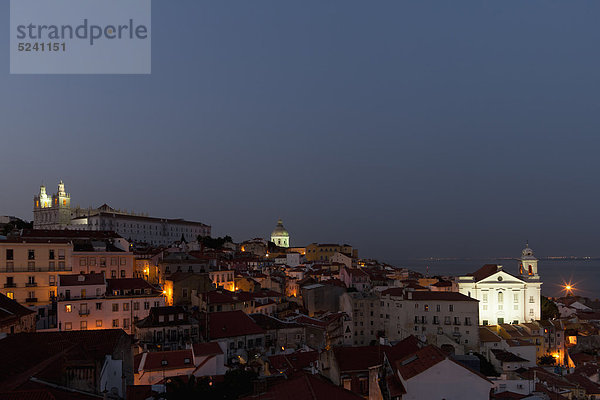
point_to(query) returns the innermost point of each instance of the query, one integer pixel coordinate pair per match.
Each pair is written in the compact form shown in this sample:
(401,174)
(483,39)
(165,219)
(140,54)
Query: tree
(214,243)
(17,224)
(549,309)
(486,367)
(547,359)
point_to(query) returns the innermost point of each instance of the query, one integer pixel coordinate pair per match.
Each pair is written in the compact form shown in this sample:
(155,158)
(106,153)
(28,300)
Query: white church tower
(505,298)
(52,212)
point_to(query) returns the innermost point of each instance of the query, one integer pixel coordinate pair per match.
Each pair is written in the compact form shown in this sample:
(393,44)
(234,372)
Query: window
(451,307)
(123,261)
(485,307)
(531,300)
(31,254)
(467,321)
(531,311)
(136,306)
(50,254)
(515,297)
(52,280)
(103,261)
(82,262)
(125,323)
(438,308)
(68,326)
(122,273)
(115,307)
(436,320)
(98,323)
(10,254)
(500,297)
(146,305)
(68,308)
(484,298)
(426,307)
(83,325)
(98,306)
(113,261)
(115,323)
(51,266)
(125,306)
(92,262)
(485,322)
(113,274)
(61,254)
(10,295)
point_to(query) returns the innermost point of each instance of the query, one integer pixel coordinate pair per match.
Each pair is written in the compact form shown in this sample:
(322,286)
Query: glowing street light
(568,288)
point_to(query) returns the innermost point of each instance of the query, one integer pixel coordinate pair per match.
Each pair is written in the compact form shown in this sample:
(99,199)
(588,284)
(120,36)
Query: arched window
(500,297)
(530,270)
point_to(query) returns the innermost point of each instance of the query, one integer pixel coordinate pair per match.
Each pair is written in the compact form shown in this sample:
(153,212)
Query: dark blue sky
(404,128)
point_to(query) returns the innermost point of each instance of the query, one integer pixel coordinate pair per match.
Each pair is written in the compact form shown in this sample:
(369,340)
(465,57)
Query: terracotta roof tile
(231,324)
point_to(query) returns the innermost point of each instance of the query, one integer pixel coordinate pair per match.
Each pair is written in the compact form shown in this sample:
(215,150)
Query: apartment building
(29,270)
(363,325)
(89,301)
(443,318)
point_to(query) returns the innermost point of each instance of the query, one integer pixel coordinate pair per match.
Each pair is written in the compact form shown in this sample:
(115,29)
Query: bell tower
(528,264)
(62,201)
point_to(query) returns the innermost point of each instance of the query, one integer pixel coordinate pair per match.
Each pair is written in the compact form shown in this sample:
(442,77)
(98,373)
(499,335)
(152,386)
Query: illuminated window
(83,325)
(68,308)
(64,202)
(10,295)
(98,323)
(68,326)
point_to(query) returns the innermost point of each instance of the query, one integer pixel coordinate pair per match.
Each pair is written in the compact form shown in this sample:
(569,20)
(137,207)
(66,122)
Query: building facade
(89,301)
(503,297)
(55,212)
(280,236)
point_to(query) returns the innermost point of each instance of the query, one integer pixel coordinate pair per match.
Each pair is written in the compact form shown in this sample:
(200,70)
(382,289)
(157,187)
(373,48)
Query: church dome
(279,230)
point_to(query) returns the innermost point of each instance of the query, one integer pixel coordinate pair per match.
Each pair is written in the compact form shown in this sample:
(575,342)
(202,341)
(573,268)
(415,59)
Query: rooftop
(231,324)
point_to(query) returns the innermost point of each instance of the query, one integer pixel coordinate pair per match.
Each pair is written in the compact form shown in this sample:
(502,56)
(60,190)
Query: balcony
(10,285)
(31,300)
(31,284)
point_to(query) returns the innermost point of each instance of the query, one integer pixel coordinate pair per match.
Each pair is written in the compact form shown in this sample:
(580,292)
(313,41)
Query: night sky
(407,129)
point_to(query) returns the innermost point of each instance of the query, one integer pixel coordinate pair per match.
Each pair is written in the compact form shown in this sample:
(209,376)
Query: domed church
(280,236)
(504,297)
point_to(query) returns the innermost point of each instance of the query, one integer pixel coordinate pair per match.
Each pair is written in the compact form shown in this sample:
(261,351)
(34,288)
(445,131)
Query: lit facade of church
(55,212)
(280,236)
(503,297)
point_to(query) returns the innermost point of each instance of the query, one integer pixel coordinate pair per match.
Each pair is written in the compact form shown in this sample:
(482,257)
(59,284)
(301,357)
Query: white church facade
(55,212)
(504,297)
